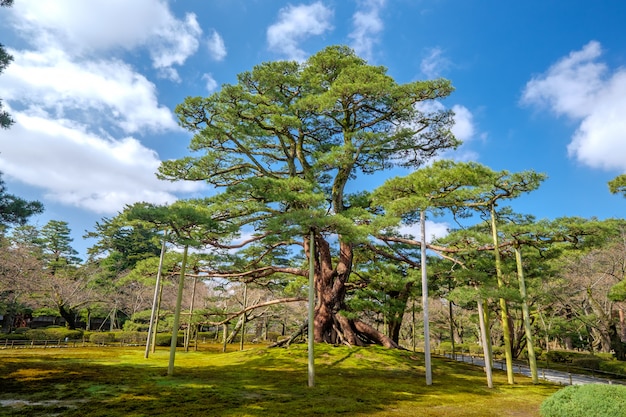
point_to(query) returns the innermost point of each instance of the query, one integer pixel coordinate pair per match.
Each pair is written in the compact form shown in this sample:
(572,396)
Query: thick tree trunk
(330,288)
(619,347)
(69,316)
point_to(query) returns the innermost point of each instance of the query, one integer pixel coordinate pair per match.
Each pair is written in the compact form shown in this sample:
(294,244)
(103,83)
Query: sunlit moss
(115,382)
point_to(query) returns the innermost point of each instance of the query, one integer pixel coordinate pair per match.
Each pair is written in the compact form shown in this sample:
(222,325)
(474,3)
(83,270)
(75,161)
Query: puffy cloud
(216,46)
(580,87)
(52,81)
(367,25)
(297,23)
(434,230)
(80,168)
(463,128)
(96,26)
(77,104)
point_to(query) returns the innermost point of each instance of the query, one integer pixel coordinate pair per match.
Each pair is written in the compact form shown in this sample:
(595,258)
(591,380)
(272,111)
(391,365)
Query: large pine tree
(287,146)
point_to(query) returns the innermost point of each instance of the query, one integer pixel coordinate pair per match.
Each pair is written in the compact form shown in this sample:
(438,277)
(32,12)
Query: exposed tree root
(344,331)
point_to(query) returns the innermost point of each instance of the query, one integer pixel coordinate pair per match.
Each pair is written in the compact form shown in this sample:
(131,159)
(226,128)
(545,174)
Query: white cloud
(96,26)
(211,84)
(582,88)
(50,80)
(174,43)
(295,24)
(83,169)
(216,46)
(367,25)
(434,230)
(434,63)
(463,128)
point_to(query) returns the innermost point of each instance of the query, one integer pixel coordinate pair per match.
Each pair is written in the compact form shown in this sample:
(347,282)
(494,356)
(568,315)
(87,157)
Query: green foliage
(131,337)
(5,60)
(444,184)
(618,291)
(14,211)
(557,356)
(60,333)
(165,339)
(102,338)
(56,243)
(123,243)
(592,400)
(50,333)
(617,368)
(618,185)
(46,311)
(591,362)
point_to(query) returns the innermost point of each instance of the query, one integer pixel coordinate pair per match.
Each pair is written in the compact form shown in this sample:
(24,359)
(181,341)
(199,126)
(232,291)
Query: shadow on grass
(256,383)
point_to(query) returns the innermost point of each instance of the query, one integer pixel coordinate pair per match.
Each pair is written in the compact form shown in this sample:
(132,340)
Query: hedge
(592,400)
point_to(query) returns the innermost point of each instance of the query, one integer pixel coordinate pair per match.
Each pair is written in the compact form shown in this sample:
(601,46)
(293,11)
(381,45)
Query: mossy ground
(112,382)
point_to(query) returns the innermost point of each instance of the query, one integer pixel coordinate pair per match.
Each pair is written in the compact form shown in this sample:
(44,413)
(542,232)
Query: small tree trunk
(530,346)
(429,375)
(504,311)
(243,316)
(484,335)
(224,334)
(175,325)
(190,324)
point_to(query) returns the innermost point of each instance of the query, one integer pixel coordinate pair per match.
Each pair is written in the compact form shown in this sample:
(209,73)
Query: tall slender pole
(155,299)
(156,322)
(243,317)
(504,310)
(486,343)
(429,372)
(530,347)
(179,301)
(413,330)
(193,297)
(310,325)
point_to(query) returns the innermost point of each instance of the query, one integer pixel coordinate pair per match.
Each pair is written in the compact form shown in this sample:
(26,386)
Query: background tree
(56,242)
(284,143)
(5,60)
(20,267)
(15,211)
(505,185)
(618,185)
(121,244)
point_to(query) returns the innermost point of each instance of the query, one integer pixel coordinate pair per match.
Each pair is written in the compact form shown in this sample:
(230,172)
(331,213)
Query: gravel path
(558,377)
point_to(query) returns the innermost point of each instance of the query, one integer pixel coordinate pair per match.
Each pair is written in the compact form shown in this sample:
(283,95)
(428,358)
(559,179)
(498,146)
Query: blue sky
(539,85)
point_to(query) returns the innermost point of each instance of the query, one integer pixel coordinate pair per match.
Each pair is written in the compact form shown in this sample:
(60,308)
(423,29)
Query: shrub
(592,400)
(131,337)
(590,362)
(614,367)
(476,349)
(21,330)
(165,339)
(60,333)
(102,338)
(556,356)
(13,336)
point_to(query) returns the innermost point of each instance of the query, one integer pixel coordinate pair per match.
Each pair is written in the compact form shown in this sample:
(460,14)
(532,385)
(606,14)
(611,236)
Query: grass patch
(257,382)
